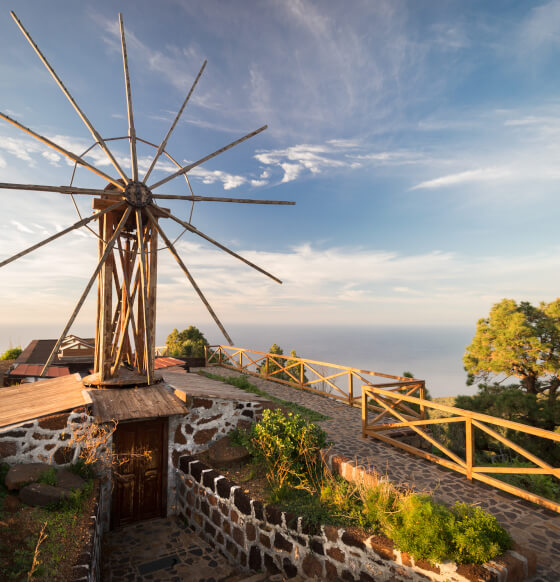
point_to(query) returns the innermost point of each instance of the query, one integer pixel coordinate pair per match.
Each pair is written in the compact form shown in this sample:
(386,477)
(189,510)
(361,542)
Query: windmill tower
(128,217)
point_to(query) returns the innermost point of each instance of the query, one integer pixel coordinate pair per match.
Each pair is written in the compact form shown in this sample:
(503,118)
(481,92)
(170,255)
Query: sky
(420,141)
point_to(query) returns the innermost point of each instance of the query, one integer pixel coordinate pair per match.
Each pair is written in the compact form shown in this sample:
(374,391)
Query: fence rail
(392,403)
(324,378)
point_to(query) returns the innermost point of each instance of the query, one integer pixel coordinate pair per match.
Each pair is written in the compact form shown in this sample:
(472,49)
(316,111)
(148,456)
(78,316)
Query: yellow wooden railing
(392,402)
(323,378)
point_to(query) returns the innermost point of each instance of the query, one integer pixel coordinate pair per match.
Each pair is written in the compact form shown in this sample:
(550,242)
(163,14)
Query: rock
(20,475)
(42,494)
(223,454)
(11,504)
(68,480)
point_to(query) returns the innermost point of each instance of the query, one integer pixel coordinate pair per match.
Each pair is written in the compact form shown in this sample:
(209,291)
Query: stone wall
(87,568)
(208,420)
(260,537)
(44,440)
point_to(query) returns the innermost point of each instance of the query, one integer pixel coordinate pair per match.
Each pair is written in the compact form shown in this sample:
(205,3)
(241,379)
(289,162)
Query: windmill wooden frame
(128,216)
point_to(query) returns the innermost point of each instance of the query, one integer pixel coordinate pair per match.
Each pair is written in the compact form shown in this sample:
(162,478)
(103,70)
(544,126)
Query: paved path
(162,550)
(536,528)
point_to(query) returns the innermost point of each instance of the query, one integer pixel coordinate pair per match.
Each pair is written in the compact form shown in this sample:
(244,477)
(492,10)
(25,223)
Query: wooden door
(139,471)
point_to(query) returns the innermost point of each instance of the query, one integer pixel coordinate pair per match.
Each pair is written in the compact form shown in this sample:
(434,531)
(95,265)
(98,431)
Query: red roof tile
(165,362)
(35,370)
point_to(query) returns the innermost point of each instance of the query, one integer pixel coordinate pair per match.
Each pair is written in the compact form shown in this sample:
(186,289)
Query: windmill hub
(138,194)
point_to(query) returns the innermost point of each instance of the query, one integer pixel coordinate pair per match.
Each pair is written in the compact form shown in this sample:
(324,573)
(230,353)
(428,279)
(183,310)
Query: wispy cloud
(469,176)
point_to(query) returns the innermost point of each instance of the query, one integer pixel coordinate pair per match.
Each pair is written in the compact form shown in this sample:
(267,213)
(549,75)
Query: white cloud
(469,176)
(228,181)
(51,157)
(21,227)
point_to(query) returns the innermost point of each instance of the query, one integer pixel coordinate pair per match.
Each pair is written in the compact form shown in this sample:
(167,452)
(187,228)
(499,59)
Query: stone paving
(161,550)
(530,525)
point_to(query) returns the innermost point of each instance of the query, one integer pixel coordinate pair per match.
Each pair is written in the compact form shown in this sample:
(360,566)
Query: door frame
(164,421)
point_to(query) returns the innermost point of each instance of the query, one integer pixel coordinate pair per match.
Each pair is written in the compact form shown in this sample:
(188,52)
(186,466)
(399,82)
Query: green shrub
(477,536)
(48,477)
(289,446)
(423,528)
(82,469)
(380,503)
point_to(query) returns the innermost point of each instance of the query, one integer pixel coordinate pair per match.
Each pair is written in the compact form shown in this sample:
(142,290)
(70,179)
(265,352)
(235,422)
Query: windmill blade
(144,282)
(180,112)
(194,230)
(62,151)
(76,225)
(174,252)
(108,250)
(188,168)
(60,189)
(82,115)
(221,199)
(131,130)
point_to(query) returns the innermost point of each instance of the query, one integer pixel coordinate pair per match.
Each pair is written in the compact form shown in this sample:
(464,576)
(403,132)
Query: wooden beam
(62,232)
(131,129)
(152,260)
(144,276)
(174,252)
(216,243)
(189,167)
(82,115)
(108,250)
(222,199)
(177,117)
(60,189)
(61,150)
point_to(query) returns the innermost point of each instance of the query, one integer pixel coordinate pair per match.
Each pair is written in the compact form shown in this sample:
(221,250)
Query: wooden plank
(163,144)
(144,296)
(540,432)
(189,167)
(131,129)
(76,225)
(423,434)
(221,199)
(88,287)
(194,230)
(62,151)
(517,448)
(38,399)
(95,134)
(175,254)
(419,452)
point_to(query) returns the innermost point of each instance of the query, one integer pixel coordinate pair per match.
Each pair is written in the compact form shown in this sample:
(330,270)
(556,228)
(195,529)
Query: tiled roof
(35,370)
(166,362)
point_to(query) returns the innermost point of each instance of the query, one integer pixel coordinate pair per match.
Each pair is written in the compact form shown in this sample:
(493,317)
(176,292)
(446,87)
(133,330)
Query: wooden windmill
(128,216)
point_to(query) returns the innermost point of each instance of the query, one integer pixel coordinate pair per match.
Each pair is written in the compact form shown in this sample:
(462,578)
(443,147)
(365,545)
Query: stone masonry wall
(260,537)
(208,420)
(44,440)
(87,568)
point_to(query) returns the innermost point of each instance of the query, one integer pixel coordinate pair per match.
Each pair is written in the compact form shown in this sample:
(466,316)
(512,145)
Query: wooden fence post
(364,411)
(423,397)
(350,388)
(266,367)
(241,361)
(469,447)
(301,374)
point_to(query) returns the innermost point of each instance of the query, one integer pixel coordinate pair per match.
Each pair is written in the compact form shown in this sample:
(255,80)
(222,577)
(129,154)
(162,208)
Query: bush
(477,536)
(11,354)
(422,528)
(289,446)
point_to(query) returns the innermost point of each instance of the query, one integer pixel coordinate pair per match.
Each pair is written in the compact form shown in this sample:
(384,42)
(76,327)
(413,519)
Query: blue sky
(420,141)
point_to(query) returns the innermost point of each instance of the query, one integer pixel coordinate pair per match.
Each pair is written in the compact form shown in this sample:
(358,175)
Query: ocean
(431,353)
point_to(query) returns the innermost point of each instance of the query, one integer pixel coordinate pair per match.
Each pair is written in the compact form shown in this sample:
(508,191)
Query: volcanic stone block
(19,475)
(42,494)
